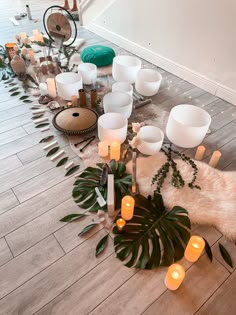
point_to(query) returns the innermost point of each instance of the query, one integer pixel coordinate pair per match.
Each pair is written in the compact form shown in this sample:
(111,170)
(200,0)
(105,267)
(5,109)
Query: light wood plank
(9,164)
(223,300)
(201,280)
(40,183)
(15,122)
(13,112)
(227,156)
(39,228)
(96,286)
(34,207)
(203,100)
(7,101)
(223,118)
(7,201)
(231,167)
(13,274)
(44,287)
(12,135)
(5,253)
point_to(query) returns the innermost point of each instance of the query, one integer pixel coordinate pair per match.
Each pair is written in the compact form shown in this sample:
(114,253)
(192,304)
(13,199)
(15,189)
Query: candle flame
(175,275)
(195,245)
(127,204)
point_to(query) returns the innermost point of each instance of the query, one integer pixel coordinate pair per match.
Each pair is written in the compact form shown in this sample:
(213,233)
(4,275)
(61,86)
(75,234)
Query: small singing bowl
(123,87)
(118,102)
(148,82)
(68,83)
(112,127)
(150,140)
(125,68)
(88,72)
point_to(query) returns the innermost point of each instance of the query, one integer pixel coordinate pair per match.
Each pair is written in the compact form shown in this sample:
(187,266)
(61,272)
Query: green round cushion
(99,55)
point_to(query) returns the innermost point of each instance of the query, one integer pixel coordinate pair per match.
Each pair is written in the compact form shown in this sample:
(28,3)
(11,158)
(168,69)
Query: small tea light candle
(174,277)
(215,158)
(51,87)
(102,149)
(194,248)
(74,100)
(127,207)
(200,153)
(120,223)
(115,151)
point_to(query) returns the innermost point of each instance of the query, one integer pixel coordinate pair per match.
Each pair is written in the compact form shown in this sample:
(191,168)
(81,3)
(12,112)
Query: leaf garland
(36,116)
(72,170)
(225,255)
(42,125)
(87,229)
(24,97)
(73,217)
(102,244)
(46,139)
(14,89)
(52,151)
(27,101)
(154,236)
(15,93)
(62,161)
(84,187)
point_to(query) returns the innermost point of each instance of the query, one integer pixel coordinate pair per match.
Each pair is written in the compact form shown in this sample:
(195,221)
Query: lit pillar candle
(43,88)
(174,277)
(35,33)
(194,248)
(127,207)
(215,158)
(39,37)
(120,223)
(74,100)
(23,36)
(102,149)
(32,59)
(115,151)
(51,87)
(200,153)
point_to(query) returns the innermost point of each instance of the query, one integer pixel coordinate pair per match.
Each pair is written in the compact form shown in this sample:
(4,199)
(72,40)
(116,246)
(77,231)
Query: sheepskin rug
(214,204)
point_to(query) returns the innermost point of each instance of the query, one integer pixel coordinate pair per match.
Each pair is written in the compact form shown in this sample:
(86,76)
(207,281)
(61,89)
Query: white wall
(196,40)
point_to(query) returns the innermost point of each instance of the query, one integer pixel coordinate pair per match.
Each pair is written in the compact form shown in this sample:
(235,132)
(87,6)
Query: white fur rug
(214,204)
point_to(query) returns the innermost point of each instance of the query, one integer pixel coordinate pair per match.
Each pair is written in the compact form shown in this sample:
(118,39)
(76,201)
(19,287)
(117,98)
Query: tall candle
(32,59)
(102,149)
(51,87)
(174,277)
(120,223)
(200,153)
(194,248)
(115,151)
(127,208)
(74,100)
(215,158)
(110,195)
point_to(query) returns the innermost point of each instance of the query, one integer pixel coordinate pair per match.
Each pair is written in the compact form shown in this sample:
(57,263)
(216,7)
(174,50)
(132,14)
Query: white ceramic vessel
(148,82)
(123,87)
(68,84)
(118,102)
(150,140)
(88,72)
(125,68)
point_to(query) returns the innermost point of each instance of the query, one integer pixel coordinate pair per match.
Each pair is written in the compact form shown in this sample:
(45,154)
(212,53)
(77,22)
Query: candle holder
(125,68)
(118,102)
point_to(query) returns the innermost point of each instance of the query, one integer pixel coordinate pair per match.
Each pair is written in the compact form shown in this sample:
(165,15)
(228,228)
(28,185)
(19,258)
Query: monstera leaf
(154,237)
(84,188)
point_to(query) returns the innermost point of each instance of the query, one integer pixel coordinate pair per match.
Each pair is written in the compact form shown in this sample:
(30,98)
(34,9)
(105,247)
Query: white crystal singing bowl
(148,82)
(150,140)
(118,102)
(187,125)
(125,68)
(123,87)
(112,127)
(88,72)
(68,84)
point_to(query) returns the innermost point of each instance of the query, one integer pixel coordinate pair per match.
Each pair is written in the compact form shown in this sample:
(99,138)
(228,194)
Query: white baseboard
(185,73)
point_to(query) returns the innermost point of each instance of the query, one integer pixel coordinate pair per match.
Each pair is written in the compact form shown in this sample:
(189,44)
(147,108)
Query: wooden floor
(45,267)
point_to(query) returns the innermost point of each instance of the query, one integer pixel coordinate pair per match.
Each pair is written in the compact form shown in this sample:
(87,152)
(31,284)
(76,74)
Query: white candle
(50,145)
(54,157)
(102,149)
(215,158)
(200,153)
(43,88)
(45,128)
(115,151)
(38,111)
(69,165)
(110,195)
(32,59)
(39,37)
(74,100)
(51,87)
(40,120)
(127,208)
(174,277)
(194,248)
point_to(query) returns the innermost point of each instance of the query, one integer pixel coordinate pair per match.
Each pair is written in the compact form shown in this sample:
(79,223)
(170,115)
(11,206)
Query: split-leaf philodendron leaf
(154,236)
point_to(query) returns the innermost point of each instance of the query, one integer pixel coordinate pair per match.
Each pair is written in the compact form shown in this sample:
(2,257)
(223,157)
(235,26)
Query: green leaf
(9,81)
(208,250)
(15,93)
(14,89)
(24,97)
(35,107)
(73,217)
(27,101)
(52,151)
(46,139)
(225,255)
(154,236)
(37,116)
(87,229)
(102,244)
(12,84)
(72,170)
(42,125)
(62,161)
